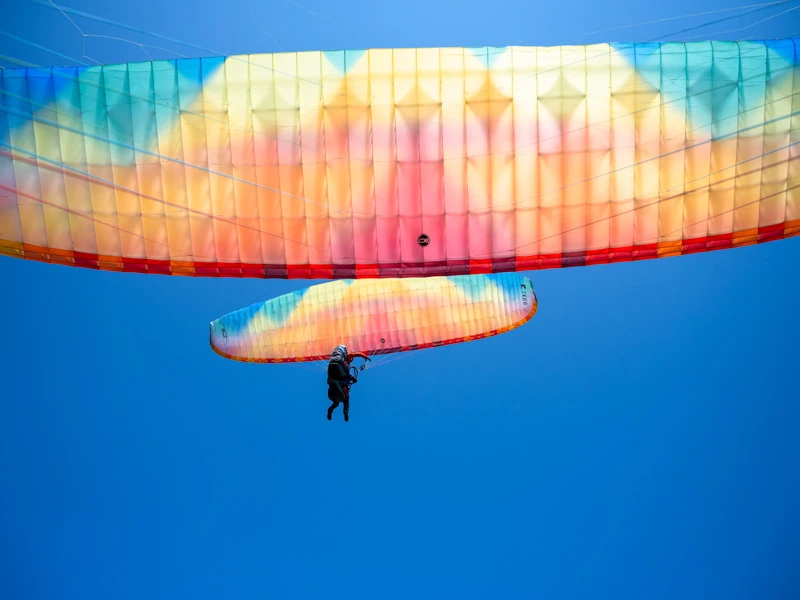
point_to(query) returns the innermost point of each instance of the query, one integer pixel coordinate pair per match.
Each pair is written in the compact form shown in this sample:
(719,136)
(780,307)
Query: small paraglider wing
(375,316)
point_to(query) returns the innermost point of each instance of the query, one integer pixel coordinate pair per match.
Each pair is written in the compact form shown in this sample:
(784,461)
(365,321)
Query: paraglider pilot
(340,379)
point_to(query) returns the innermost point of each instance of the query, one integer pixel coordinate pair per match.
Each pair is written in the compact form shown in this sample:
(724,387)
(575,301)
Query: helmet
(340,354)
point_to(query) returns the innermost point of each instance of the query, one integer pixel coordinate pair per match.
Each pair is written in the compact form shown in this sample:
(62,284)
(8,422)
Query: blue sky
(638,438)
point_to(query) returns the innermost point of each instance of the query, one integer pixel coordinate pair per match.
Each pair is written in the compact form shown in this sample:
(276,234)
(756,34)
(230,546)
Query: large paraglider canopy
(402,163)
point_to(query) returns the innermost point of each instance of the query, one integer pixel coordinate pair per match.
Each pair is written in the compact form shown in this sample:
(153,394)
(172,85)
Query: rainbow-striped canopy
(405,162)
(375,317)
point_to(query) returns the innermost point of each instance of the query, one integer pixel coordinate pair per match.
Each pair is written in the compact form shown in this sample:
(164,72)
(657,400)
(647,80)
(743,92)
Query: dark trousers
(336,397)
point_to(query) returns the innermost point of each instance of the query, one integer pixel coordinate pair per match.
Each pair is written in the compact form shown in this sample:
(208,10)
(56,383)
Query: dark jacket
(339,379)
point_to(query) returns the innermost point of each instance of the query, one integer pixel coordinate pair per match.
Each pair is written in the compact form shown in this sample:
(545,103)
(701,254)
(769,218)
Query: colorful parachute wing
(375,316)
(407,162)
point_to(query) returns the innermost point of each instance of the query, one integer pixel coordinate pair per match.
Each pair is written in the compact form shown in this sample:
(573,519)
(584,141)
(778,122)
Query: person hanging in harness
(340,379)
